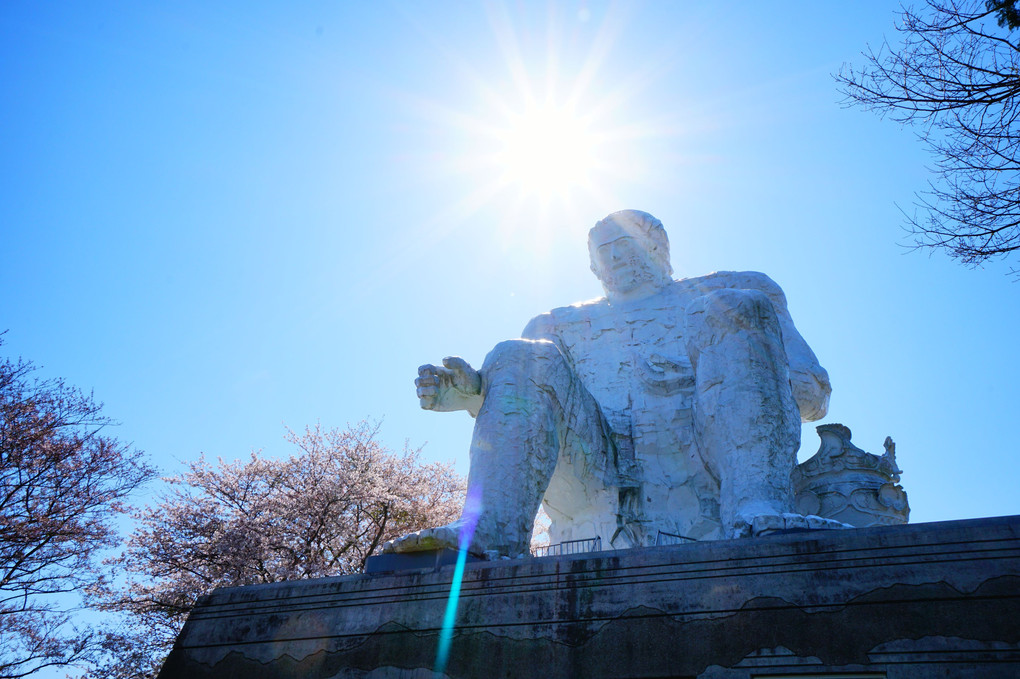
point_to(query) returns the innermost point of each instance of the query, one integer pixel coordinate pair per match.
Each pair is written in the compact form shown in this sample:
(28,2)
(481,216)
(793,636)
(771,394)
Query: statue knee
(517,350)
(538,360)
(712,316)
(722,309)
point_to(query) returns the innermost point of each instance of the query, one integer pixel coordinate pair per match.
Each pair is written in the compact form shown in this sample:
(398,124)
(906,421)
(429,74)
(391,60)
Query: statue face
(624,264)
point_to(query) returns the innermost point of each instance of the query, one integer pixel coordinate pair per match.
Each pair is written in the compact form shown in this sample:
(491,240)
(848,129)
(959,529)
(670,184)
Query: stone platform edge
(888,599)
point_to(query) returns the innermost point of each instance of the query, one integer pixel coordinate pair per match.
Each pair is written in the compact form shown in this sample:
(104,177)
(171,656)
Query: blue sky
(225,218)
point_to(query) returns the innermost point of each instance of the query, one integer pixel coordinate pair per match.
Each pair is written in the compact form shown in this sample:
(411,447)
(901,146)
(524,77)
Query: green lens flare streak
(446,633)
(469,521)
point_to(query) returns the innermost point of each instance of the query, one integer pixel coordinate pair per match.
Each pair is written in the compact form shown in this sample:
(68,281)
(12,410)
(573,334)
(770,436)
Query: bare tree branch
(956,76)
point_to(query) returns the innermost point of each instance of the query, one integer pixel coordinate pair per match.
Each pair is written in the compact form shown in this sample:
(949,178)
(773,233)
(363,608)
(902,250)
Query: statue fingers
(458,364)
(427,381)
(463,377)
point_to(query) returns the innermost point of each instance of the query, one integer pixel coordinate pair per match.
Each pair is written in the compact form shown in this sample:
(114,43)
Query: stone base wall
(937,599)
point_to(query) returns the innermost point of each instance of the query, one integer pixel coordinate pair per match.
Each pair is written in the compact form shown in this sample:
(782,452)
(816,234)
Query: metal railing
(664,538)
(595,545)
(570,547)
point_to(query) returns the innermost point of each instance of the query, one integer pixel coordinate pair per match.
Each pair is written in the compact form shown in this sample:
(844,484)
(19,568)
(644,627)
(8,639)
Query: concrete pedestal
(923,600)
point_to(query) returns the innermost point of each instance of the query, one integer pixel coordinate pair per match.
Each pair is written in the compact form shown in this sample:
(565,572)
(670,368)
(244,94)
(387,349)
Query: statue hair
(642,226)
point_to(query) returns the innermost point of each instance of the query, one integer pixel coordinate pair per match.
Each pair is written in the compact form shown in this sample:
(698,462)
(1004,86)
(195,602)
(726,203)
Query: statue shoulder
(741,280)
(549,325)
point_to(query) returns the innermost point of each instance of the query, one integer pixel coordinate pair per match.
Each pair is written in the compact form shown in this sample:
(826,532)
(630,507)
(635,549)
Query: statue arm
(809,379)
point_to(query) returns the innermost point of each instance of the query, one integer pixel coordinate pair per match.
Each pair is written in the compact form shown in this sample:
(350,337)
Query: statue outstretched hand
(453,386)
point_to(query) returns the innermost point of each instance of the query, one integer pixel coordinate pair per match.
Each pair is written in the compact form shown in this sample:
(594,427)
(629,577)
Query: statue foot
(429,539)
(767,524)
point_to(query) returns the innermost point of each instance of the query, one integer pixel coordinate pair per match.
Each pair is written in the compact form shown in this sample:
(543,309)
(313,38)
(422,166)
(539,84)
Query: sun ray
(555,129)
(509,45)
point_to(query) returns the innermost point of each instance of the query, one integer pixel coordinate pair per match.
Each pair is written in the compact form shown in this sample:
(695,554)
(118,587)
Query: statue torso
(633,360)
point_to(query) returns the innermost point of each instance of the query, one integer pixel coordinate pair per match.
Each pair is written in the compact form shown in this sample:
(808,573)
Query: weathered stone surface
(939,599)
(667,405)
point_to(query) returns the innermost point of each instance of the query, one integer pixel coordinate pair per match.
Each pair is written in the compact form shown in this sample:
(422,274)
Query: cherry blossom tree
(63,483)
(320,512)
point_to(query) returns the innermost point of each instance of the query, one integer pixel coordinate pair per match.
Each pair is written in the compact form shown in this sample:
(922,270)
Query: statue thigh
(537,422)
(746,421)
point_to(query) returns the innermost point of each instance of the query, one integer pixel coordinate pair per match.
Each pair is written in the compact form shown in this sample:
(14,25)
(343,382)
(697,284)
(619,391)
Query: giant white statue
(667,405)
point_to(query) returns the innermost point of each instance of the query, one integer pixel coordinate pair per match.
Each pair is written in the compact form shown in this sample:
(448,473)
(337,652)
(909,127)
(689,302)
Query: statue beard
(637,272)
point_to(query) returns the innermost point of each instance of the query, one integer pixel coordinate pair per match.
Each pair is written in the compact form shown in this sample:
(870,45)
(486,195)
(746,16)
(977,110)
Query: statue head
(629,253)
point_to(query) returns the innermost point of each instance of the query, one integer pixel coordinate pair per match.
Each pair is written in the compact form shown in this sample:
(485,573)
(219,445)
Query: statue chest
(635,365)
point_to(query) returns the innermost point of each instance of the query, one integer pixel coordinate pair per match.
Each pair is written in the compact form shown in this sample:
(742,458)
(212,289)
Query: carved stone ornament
(845,483)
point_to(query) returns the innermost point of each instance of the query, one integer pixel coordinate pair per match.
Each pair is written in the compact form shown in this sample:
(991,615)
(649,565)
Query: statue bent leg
(534,410)
(746,421)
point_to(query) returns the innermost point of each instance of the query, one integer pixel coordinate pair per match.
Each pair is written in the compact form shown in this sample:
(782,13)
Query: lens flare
(469,521)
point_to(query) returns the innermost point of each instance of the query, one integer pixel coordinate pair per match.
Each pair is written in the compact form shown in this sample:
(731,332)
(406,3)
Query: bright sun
(546,151)
(549,137)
